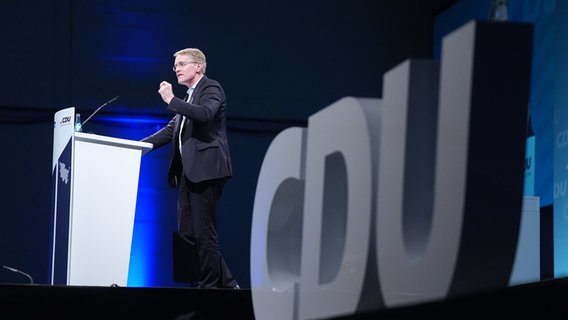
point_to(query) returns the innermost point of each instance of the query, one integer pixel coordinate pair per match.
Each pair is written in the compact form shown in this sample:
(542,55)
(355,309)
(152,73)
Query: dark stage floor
(542,300)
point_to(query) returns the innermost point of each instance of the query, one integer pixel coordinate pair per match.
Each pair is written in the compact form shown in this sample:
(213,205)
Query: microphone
(20,272)
(99,108)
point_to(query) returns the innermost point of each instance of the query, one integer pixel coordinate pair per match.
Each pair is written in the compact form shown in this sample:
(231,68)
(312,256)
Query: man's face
(186,70)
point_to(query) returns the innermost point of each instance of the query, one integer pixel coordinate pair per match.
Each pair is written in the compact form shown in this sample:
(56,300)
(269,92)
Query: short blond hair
(196,54)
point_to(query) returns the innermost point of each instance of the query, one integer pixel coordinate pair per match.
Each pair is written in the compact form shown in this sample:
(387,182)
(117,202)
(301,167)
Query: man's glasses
(182,64)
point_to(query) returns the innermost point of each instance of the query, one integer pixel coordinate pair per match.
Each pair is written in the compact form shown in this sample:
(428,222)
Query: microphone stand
(20,272)
(99,108)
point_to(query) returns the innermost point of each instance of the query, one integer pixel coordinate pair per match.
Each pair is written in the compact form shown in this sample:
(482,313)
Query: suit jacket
(205,148)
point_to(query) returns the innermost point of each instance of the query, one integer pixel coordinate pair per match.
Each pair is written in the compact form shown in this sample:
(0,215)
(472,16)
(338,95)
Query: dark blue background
(279,62)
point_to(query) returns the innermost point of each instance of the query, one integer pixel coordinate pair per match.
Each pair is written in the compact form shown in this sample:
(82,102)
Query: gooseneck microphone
(99,108)
(20,272)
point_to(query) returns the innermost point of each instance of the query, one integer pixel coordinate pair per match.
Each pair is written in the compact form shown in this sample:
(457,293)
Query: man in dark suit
(200,163)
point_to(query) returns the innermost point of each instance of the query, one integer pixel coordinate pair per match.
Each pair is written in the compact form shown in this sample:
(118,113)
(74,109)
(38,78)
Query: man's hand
(166,91)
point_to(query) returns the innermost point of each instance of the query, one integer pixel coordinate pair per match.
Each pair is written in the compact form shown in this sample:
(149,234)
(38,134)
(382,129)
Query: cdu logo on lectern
(65,120)
(411,198)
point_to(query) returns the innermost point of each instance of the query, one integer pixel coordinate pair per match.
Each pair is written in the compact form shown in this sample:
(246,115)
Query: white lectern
(95,185)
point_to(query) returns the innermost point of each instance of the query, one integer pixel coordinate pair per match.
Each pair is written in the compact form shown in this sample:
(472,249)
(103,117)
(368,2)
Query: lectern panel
(95,185)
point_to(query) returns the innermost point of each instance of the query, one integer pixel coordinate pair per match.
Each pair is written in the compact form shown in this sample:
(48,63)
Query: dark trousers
(197,224)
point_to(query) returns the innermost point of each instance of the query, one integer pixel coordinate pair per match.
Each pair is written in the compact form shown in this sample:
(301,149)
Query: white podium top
(125,143)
